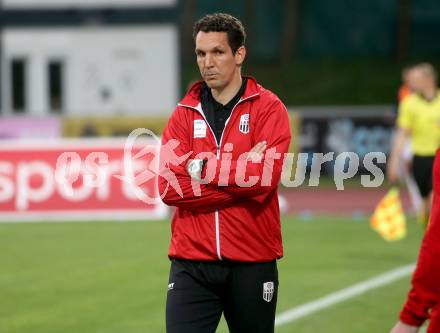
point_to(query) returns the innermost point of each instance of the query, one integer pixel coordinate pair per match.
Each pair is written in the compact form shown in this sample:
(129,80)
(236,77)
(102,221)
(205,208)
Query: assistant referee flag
(388,218)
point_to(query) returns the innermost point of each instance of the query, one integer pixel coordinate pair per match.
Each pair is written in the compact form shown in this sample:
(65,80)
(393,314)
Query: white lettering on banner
(106,171)
(67,171)
(27,176)
(37,181)
(75,193)
(199,129)
(75,179)
(99,177)
(6,185)
(94,165)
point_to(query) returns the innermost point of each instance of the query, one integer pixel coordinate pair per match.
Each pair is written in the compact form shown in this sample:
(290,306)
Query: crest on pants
(268,290)
(244,124)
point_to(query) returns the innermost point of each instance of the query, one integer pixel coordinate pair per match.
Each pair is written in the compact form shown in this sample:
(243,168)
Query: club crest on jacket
(244,124)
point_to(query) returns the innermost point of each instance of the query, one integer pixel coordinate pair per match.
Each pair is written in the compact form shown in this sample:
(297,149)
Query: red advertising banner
(78,180)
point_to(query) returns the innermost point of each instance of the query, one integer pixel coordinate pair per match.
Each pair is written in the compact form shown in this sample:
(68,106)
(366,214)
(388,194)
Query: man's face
(416,80)
(217,63)
(421,81)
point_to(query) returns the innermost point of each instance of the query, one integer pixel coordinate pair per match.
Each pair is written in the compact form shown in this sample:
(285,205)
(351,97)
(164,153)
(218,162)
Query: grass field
(112,277)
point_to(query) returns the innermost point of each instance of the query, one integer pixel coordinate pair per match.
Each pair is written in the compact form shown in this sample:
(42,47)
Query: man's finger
(257,146)
(260,147)
(256,153)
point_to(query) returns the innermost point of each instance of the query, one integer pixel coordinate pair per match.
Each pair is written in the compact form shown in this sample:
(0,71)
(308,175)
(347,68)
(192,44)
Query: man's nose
(208,60)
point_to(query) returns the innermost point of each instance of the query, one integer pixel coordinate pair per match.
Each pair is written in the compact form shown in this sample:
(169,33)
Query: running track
(329,201)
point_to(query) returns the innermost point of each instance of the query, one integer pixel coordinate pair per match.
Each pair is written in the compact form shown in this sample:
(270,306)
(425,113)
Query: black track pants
(199,292)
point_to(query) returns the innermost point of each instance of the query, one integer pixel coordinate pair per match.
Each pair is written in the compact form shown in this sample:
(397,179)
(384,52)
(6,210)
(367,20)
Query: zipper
(216,213)
(218,144)
(227,121)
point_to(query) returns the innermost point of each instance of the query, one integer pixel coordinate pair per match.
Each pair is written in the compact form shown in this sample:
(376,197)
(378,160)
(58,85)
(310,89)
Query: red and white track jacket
(226,221)
(423,300)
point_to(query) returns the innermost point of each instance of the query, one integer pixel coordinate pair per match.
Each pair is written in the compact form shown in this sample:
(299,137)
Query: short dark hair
(221,22)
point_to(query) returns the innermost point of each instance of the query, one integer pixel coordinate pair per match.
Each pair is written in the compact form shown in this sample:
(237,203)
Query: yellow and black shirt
(422,118)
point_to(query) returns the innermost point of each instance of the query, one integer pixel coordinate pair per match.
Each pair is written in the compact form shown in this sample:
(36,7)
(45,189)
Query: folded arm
(247,177)
(175,185)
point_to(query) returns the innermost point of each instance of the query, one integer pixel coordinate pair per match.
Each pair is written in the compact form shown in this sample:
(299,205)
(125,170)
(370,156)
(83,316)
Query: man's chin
(212,83)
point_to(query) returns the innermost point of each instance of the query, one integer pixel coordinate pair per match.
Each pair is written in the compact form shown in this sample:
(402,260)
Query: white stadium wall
(130,70)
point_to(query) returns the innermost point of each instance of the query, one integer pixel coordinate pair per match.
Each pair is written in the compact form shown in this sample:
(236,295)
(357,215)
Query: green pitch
(112,277)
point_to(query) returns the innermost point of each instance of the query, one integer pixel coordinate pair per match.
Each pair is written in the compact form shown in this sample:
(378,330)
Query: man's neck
(227,93)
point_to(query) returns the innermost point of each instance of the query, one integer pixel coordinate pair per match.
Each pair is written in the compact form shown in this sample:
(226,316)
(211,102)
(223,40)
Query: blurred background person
(419,119)
(407,89)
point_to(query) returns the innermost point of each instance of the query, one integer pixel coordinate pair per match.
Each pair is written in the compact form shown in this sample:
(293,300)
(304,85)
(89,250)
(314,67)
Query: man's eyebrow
(215,48)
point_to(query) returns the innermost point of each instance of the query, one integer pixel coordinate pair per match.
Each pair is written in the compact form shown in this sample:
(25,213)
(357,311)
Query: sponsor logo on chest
(199,128)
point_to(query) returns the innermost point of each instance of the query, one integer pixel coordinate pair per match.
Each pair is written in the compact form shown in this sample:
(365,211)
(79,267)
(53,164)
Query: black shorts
(422,172)
(199,292)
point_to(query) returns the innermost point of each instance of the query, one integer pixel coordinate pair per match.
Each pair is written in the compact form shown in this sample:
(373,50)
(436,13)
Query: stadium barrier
(38,181)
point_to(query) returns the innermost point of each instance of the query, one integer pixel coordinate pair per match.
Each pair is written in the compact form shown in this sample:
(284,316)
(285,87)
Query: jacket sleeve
(425,291)
(175,185)
(272,126)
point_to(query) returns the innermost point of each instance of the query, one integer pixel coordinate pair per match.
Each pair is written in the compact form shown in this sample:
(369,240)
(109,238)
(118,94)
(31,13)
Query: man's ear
(240,55)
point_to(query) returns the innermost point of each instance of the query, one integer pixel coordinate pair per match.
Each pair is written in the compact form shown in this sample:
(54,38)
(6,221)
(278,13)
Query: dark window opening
(56,92)
(18,78)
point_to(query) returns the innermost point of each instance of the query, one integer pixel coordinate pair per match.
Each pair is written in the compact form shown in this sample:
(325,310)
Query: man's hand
(256,153)
(398,145)
(404,328)
(393,170)
(194,167)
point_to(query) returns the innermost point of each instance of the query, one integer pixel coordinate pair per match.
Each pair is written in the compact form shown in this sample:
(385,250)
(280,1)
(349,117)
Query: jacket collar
(192,97)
